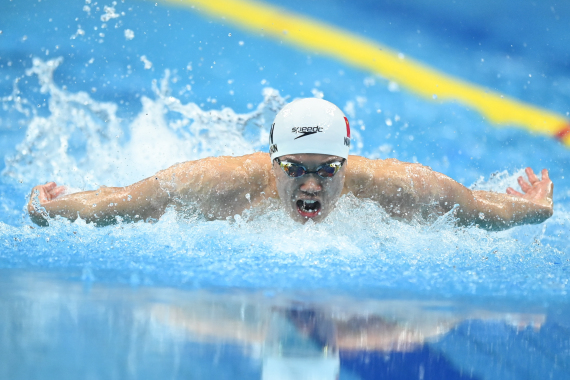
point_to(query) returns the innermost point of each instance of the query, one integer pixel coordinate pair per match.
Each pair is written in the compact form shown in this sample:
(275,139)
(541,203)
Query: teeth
(308,205)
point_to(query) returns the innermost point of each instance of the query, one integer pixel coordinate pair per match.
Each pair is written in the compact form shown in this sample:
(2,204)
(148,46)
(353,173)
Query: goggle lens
(297,170)
(293,170)
(329,170)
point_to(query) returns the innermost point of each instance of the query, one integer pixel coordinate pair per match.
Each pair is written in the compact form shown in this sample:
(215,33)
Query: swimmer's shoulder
(364,174)
(251,173)
(222,175)
(257,160)
(253,164)
(390,166)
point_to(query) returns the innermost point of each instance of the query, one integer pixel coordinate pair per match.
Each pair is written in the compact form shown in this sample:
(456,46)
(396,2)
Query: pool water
(94,97)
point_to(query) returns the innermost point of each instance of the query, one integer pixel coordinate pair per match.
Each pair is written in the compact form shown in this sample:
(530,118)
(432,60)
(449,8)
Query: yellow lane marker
(357,51)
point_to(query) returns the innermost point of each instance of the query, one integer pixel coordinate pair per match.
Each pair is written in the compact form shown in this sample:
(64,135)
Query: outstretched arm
(410,190)
(217,187)
(498,211)
(140,201)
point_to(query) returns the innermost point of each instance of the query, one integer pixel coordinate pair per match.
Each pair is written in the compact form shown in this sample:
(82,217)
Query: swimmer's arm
(408,190)
(534,205)
(218,186)
(143,200)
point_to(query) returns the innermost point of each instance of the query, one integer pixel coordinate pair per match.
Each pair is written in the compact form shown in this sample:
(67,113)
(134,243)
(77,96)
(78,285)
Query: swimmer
(308,168)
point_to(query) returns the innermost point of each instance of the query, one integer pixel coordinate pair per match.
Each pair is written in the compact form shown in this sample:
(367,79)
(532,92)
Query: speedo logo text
(306,131)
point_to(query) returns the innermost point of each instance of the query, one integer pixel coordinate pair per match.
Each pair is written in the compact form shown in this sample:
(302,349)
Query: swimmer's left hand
(536,190)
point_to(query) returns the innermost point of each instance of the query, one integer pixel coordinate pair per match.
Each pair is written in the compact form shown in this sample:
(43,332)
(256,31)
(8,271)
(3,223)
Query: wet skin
(312,187)
(221,187)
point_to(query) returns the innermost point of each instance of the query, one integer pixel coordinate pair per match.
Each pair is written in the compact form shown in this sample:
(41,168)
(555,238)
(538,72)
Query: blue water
(106,117)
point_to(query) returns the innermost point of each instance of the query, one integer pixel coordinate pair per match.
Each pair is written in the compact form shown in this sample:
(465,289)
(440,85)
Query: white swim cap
(310,125)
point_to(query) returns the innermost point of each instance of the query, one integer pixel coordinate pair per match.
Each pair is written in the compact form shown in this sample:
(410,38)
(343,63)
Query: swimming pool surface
(108,93)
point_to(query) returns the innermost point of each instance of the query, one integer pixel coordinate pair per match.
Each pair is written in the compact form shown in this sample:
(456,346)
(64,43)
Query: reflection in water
(300,344)
(57,329)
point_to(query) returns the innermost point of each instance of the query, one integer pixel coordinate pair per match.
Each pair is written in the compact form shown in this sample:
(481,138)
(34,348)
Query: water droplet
(434,96)
(229,34)
(393,86)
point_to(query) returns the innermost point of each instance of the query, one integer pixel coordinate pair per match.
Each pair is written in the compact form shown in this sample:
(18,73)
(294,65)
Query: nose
(311,185)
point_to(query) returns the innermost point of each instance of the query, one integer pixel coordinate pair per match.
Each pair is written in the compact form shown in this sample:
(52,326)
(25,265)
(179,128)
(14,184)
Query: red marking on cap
(562,133)
(347,127)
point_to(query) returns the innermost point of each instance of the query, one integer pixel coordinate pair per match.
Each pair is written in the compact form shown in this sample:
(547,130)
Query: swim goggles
(327,170)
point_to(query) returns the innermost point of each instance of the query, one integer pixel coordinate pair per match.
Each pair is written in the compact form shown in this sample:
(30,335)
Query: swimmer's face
(309,196)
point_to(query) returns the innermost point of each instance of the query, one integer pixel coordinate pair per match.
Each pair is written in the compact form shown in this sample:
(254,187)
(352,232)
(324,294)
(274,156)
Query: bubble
(129,34)
(393,86)
(109,14)
(147,63)
(229,34)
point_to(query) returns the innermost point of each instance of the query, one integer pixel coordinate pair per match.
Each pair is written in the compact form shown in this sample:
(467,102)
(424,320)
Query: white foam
(165,132)
(499,181)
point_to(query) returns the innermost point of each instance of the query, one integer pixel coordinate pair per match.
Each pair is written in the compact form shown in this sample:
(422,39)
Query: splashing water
(358,247)
(79,142)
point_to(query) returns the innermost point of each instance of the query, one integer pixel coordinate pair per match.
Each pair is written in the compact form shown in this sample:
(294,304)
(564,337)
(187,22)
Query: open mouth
(308,208)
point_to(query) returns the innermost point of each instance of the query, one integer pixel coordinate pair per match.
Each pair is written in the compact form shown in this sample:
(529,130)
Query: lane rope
(318,37)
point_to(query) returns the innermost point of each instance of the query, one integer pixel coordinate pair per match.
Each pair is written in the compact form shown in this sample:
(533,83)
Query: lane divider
(318,37)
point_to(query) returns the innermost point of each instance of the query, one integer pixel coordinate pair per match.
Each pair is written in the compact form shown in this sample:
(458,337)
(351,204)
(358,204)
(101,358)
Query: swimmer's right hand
(41,195)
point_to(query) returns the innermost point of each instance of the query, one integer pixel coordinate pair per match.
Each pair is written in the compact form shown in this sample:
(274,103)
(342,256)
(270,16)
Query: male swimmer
(308,168)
